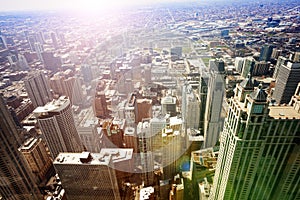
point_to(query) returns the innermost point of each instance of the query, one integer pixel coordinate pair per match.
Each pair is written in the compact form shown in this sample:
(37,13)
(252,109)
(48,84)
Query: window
(258,109)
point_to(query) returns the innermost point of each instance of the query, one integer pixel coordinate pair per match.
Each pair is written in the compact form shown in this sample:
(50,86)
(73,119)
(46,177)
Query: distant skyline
(90,5)
(78,5)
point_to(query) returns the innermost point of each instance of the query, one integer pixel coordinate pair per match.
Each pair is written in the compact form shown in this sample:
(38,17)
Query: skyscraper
(67,84)
(16,180)
(280,61)
(190,107)
(215,95)
(37,88)
(266,52)
(248,66)
(87,176)
(168,105)
(286,82)
(143,109)
(54,40)
(259,154)
(38,159)
(100,105)
(57,124)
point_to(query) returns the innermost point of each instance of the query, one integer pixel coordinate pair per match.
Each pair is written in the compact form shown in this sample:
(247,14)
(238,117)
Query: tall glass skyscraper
(259,152)
(16,180)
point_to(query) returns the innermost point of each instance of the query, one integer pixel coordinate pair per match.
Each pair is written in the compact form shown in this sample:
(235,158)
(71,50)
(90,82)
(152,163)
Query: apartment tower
(57,124)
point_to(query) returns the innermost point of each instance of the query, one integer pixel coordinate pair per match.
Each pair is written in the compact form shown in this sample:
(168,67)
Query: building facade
(87,176)
(213,112)
(286,82)
(38,88)
(259,151)
(38,159)
(16,180)
(57,124)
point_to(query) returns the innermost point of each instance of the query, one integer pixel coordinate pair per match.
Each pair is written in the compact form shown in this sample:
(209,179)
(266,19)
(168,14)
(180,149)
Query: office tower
(276,53)
(143,109)
(203,83)
(146,154)
(74,90)
(168,104)
(57,124)
(86,125)
(295,99)
(238,63)
(54,40)
(66,84)
(31,41)
(147,73)
(39,50)
(87,176)
(3,43)
(37,88)
(157,124)
(130,139)
(16,180)
(190,107)
(12,59)
(280,61)
(122,160)
(100,105)
(286,82)
(113,133)
(38,159)
(261,68)
(23,62)
(51,62)
(215,96)
(130,110)
(176,53)
(40,37)
(265,53)
(259,152)
(248,66)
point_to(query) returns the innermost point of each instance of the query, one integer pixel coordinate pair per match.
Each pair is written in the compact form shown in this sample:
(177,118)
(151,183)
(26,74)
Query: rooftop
(283,112)
(53,106)
(74,159)
(117,154)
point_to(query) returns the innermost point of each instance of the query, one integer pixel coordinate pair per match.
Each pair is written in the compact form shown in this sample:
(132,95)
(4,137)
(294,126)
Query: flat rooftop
(117,154)
(74,159)
(283,112)
(55,105)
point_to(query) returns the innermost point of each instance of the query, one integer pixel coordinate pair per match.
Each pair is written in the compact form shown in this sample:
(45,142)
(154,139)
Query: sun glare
(95,5)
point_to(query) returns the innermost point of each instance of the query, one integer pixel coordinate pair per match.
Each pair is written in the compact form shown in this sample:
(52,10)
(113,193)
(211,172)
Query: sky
(79,5)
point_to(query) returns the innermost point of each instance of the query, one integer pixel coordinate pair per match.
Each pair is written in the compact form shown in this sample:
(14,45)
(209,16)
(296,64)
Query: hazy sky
(86,5)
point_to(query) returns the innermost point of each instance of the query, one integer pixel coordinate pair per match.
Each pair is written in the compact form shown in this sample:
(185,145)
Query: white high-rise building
(190,107)
(57,124)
